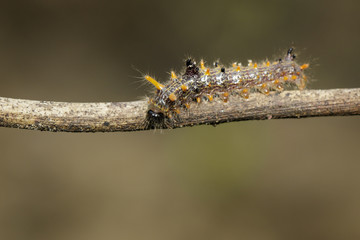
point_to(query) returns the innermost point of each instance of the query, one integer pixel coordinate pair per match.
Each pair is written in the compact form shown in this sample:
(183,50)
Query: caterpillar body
(199,83)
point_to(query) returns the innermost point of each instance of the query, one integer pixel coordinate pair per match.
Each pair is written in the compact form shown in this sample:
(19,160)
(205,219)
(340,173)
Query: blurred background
(277,179)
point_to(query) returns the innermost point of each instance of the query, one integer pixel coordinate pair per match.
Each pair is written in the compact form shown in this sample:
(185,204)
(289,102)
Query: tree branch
(130,116)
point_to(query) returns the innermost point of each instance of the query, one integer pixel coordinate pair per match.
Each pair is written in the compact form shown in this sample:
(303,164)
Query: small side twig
(130,116)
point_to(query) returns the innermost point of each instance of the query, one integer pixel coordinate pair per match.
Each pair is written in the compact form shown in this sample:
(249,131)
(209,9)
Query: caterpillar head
(154,120)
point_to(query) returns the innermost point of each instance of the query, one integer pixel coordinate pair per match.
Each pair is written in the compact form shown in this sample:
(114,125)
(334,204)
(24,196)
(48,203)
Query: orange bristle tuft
(158,85)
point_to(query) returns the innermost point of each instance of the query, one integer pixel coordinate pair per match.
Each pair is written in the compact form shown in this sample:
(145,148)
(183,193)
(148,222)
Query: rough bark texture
(131,116)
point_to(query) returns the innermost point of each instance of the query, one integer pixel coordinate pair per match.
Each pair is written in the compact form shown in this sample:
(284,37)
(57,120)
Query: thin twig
(130,116)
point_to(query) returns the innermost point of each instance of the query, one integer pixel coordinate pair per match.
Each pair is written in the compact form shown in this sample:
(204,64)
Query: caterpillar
(200,83)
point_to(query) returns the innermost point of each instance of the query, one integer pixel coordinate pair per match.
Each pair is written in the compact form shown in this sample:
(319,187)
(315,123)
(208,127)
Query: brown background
(280,179)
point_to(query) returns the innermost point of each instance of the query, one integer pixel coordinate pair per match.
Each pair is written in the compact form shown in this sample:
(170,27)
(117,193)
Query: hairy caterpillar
(200,83)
